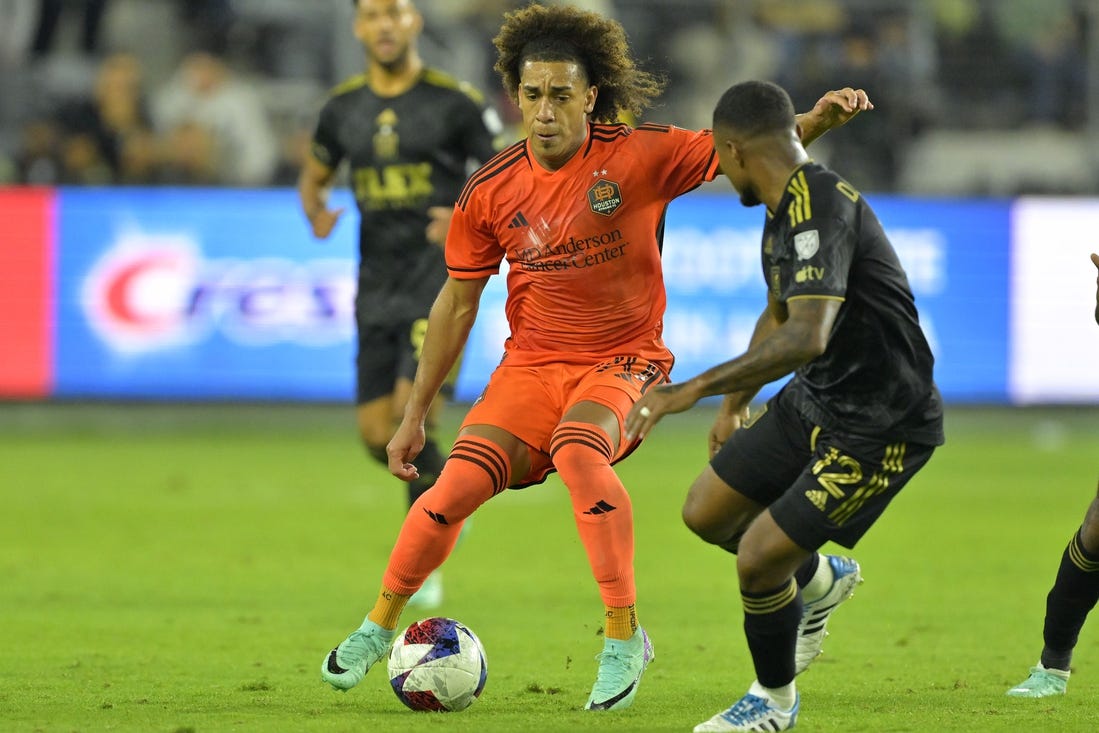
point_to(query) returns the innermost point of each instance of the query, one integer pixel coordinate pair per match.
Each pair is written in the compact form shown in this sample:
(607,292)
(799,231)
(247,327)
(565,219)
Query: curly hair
(596,43)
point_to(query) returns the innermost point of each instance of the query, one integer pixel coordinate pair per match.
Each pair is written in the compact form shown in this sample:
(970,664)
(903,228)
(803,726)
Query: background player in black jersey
(859,418)
(1074,593)
(411,135)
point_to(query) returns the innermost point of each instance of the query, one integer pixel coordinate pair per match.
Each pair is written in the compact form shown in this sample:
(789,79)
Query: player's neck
(389,81)
(778,172)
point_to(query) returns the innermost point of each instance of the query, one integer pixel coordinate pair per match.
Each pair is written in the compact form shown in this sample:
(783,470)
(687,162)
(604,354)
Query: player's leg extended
(762,460)
(482,463)
(480,466)
(1074,593)
(1072,597)
(766,561)
(582,448)
(581,452)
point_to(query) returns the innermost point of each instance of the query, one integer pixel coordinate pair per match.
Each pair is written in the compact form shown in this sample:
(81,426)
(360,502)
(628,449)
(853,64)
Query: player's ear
(589,99)
(737,152)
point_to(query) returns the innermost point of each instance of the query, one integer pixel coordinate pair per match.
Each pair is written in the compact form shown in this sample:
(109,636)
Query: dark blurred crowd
(225,92)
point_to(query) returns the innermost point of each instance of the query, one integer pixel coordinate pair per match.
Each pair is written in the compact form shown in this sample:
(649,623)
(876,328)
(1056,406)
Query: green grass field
(180,568)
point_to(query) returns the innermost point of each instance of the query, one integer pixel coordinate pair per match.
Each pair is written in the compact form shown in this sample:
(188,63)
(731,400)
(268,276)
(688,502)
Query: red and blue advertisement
(195,294)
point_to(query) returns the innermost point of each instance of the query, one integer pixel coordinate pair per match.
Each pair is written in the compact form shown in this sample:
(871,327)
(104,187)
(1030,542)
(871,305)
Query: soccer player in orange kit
(577,210)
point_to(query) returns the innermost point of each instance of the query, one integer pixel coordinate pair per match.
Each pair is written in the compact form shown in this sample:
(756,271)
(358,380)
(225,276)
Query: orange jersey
(582,243)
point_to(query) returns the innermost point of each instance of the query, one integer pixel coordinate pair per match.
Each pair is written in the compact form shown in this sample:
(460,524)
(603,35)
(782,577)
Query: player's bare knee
(752,573)
(709,528)
(757,571)
(714,527)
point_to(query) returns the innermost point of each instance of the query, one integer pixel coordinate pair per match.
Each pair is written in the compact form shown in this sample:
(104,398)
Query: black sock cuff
(1080,557)
(770,601)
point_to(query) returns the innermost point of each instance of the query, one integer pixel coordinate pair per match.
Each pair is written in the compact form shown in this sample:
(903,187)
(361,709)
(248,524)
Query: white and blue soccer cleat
(846,576)
(751,712)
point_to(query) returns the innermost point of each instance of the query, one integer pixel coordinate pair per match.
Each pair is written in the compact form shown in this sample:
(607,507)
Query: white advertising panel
(1054,340)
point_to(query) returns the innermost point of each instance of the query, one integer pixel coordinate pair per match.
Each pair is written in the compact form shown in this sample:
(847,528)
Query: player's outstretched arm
(802,337)
(733,412)
(834,109)
(452,316)
(313,185)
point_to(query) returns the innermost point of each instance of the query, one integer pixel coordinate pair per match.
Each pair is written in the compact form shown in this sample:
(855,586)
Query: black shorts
(820,485)
(388,352)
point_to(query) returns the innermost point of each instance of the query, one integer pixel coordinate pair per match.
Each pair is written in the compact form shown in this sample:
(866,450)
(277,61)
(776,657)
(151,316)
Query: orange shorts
(530,401)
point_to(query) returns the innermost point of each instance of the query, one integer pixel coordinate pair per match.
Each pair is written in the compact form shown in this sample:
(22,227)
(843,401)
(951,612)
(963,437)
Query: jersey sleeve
(684,158)
(472,250)
(822,251)
(326,146)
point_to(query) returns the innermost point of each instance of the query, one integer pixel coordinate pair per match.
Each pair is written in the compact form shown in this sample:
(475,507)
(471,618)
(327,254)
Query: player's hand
(324,221)
(403,448)
(725,424)
(655,404)
(839,106)
(439,224)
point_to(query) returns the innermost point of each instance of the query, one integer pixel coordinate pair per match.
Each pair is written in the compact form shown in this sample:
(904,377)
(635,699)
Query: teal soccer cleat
(347,664)
(621,664)
(1042,682)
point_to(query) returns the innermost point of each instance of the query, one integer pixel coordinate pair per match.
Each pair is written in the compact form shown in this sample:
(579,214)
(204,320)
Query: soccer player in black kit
(411,135)
(1074,594)
(860,416)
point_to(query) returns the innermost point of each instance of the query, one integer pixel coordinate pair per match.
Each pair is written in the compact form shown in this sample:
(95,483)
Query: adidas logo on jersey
(518,222)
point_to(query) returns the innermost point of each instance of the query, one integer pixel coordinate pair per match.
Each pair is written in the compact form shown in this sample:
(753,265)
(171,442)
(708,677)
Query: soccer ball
(437,664)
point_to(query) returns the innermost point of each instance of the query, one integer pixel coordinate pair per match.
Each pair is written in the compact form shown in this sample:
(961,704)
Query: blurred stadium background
(153,247)
(1005,91)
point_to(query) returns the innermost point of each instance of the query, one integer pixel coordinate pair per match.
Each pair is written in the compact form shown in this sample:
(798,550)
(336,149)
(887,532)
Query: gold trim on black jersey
(350,84)
(800,209)
(439,78)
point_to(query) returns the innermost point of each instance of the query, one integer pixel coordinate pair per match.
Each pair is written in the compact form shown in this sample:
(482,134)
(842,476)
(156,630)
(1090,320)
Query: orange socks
(476,471)
(581,453)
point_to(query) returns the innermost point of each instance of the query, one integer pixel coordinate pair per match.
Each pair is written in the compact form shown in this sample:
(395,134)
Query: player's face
(387,28)
(555,99)
(732,167)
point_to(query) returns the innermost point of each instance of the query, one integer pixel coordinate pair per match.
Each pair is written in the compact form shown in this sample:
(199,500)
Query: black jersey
(406,153)
(875,377)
